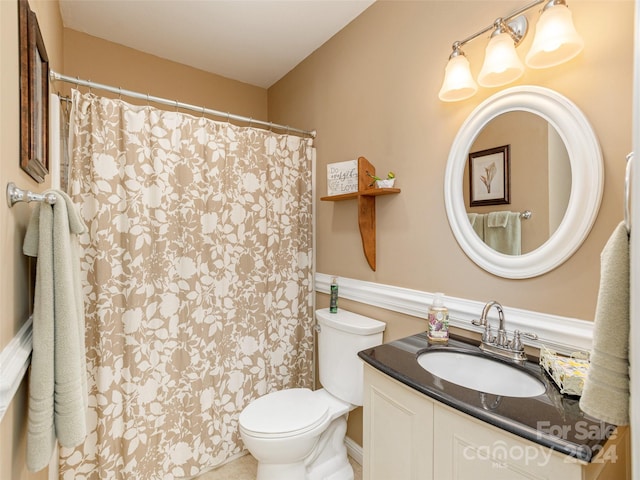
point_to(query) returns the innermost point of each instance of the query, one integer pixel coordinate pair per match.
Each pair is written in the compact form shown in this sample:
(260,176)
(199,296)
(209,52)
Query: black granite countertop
(552,419)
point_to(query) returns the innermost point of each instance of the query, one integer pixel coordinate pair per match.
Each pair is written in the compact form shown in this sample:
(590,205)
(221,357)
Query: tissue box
(567,372)
(342,177)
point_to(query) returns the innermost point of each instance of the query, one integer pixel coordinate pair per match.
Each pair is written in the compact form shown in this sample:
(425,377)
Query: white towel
(503,238)
(606,389)
(498,219)
(57,383)
(477,223)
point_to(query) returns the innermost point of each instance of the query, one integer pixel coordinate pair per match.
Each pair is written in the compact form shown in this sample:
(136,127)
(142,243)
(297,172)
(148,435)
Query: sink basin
(481,373)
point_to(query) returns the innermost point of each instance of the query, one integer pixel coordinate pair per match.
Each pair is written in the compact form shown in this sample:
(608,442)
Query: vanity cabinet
(470,449)
(408,435)
(398,430)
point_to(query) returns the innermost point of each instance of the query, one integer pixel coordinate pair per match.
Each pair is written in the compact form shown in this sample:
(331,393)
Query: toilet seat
(284,413)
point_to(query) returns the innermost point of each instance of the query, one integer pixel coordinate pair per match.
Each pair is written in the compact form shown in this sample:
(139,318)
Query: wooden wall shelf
(366,196)
(372,192)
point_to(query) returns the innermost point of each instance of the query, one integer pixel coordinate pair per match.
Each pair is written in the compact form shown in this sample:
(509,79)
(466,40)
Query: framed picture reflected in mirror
(34,95)
(490,181)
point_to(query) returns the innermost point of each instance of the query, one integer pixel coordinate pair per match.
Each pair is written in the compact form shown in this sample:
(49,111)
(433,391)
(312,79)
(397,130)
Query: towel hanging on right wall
(606,388)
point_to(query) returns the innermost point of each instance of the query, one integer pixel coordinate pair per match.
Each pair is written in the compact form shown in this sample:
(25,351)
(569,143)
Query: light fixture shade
(501,62)
(458,83)
(556,40)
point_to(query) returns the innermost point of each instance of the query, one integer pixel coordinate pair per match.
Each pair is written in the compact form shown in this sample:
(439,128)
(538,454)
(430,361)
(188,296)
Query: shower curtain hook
(119,93)
(176,105)
(228,118)
(203,111)
(77,82)
(148,101)
(89,85)
(250,122)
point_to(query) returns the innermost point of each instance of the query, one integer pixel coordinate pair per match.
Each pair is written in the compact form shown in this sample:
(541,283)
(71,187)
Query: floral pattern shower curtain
(197,274)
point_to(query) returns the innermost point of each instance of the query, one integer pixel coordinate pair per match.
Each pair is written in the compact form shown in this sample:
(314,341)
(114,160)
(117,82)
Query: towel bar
(15,195)
(627,192)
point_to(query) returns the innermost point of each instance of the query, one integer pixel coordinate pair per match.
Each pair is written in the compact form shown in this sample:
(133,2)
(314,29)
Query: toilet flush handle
(317,328)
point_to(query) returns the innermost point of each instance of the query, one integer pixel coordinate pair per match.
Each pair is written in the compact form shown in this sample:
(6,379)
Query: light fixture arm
(516,28)
(553,3)
(456,50)
(506,20)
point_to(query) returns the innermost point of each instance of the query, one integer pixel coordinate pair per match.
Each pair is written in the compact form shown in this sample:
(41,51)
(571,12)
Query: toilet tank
(341,336)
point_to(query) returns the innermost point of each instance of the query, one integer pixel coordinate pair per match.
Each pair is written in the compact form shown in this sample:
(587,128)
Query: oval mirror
(562,196)
(539,182)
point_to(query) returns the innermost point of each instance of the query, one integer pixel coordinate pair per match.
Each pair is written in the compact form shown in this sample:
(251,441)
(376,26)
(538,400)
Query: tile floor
(244,468)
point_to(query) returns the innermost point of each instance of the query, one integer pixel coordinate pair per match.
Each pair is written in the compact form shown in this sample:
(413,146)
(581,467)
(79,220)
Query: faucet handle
(478,323)
(516,343)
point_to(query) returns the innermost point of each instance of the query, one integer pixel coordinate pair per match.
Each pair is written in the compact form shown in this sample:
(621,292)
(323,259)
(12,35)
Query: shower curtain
(197,275)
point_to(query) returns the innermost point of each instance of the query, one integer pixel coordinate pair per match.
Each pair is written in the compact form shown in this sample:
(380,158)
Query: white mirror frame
(587,181)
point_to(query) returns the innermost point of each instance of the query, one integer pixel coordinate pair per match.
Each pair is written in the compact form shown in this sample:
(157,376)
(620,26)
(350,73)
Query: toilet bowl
(284,429)
(297,433)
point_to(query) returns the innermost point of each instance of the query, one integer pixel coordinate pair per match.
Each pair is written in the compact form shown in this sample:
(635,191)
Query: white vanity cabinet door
(398,430)
(467,449)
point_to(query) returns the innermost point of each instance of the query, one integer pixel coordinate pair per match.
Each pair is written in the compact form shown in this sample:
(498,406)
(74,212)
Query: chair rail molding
(14,361)
(562,334)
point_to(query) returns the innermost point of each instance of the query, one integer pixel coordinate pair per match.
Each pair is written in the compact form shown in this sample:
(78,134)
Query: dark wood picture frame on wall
(490,176)
(34,96)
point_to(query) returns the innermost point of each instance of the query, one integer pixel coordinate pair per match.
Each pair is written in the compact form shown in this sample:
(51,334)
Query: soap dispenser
(438,321)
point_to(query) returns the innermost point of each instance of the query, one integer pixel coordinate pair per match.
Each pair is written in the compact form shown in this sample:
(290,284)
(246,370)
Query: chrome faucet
(500,344)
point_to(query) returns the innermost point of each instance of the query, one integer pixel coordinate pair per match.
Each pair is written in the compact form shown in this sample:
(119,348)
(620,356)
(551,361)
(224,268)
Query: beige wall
(14,302)
(372,90)
(92,58)
(76,54)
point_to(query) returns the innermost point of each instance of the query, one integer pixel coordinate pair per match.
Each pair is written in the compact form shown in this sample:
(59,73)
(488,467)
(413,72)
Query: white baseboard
(353,450)
(563,334)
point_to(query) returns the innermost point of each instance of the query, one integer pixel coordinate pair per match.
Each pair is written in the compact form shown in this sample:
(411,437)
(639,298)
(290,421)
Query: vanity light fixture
(556,41)
(458,81)
(501,62)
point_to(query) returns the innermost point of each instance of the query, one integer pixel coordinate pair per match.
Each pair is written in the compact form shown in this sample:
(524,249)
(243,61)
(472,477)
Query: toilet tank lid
(349,322)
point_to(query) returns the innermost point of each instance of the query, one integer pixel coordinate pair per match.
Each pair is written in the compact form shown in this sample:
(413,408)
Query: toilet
(297,433)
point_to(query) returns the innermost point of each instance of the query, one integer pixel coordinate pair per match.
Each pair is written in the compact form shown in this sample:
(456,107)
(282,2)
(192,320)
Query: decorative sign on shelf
(342,177)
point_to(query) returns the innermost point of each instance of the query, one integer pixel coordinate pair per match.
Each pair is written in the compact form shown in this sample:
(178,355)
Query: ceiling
(253,41)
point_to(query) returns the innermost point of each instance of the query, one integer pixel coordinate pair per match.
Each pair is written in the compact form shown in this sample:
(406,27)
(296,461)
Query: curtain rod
(55,76)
